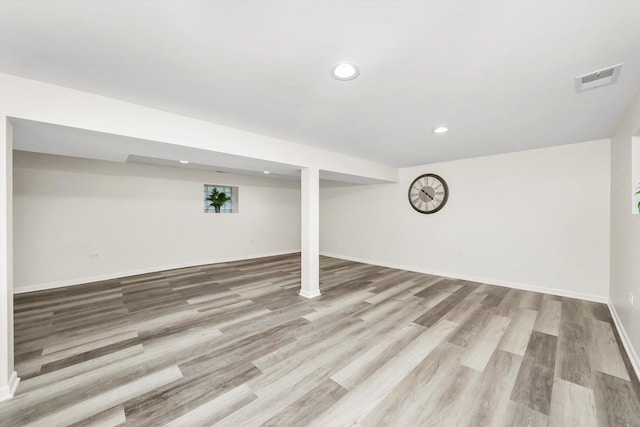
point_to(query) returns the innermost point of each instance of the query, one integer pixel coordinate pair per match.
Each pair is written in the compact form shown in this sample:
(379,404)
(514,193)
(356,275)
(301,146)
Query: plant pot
(217,208)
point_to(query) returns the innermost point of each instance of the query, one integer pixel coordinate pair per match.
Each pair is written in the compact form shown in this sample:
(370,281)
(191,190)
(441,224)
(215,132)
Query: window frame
(230,207)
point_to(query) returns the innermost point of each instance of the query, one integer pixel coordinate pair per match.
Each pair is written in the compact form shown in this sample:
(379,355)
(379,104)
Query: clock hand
(426,193)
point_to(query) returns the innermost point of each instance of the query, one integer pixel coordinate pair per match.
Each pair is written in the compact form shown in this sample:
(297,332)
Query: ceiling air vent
(599,78)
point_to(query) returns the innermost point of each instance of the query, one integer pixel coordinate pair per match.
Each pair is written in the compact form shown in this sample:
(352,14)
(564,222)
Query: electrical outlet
(93,255)
(631,299)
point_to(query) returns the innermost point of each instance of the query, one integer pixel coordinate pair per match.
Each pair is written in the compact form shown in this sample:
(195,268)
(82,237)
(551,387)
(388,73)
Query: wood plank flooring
(233,344)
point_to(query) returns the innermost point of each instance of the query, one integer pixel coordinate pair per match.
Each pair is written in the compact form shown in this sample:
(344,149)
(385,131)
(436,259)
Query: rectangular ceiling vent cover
(595,79)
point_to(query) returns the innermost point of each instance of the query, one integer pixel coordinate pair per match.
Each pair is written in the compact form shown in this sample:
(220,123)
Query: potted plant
(217,199)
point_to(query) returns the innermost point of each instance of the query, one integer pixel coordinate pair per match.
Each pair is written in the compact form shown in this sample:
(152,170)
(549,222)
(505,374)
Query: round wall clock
(428,193)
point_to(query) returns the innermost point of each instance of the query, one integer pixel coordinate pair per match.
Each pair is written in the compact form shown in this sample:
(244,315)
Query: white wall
(625,232)
(137,218)
(635,174)
(532,219)
(8,378)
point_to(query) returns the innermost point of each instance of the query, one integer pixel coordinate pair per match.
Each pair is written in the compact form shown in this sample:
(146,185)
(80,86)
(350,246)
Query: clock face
(428,193)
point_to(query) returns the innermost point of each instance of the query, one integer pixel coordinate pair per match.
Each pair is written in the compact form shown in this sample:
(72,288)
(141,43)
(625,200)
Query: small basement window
(220,198)
(635,174)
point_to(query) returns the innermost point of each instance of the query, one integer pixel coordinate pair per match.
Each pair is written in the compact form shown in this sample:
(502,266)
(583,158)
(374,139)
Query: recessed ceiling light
(184,162)
(345,71)
(267,172)
(441,129)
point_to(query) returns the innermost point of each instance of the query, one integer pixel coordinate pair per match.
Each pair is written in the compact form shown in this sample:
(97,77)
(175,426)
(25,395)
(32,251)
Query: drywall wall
(625,232)
(137,218)
(534,219)
(8,377)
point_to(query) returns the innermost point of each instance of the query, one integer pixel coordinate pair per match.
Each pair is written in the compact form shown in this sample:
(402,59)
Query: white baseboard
(487,280)
(311,294)
(122,274)
(626,342)
(8,390)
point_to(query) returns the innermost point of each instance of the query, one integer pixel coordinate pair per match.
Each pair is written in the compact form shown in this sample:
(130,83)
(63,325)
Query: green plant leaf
(216,198)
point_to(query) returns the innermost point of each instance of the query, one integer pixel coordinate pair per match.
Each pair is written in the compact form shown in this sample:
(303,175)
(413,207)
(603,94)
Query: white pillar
(310,233)
(8,377)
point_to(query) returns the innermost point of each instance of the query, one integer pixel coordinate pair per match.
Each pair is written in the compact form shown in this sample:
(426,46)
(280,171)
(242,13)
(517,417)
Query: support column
(310,233)
(8,377)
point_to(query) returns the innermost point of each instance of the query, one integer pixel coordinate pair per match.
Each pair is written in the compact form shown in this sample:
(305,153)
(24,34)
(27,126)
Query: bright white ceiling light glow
(184,162)
(441,129)
(267,172)
(345,71)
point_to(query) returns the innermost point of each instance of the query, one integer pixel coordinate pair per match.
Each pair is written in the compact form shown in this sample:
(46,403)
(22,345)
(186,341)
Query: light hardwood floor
(234,345)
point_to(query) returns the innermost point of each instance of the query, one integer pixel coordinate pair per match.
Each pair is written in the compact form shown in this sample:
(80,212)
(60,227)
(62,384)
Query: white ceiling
(48,138)
(40,137)
(499,74)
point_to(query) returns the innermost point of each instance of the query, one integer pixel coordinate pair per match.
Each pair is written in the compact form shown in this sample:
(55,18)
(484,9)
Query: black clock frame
(444,199)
